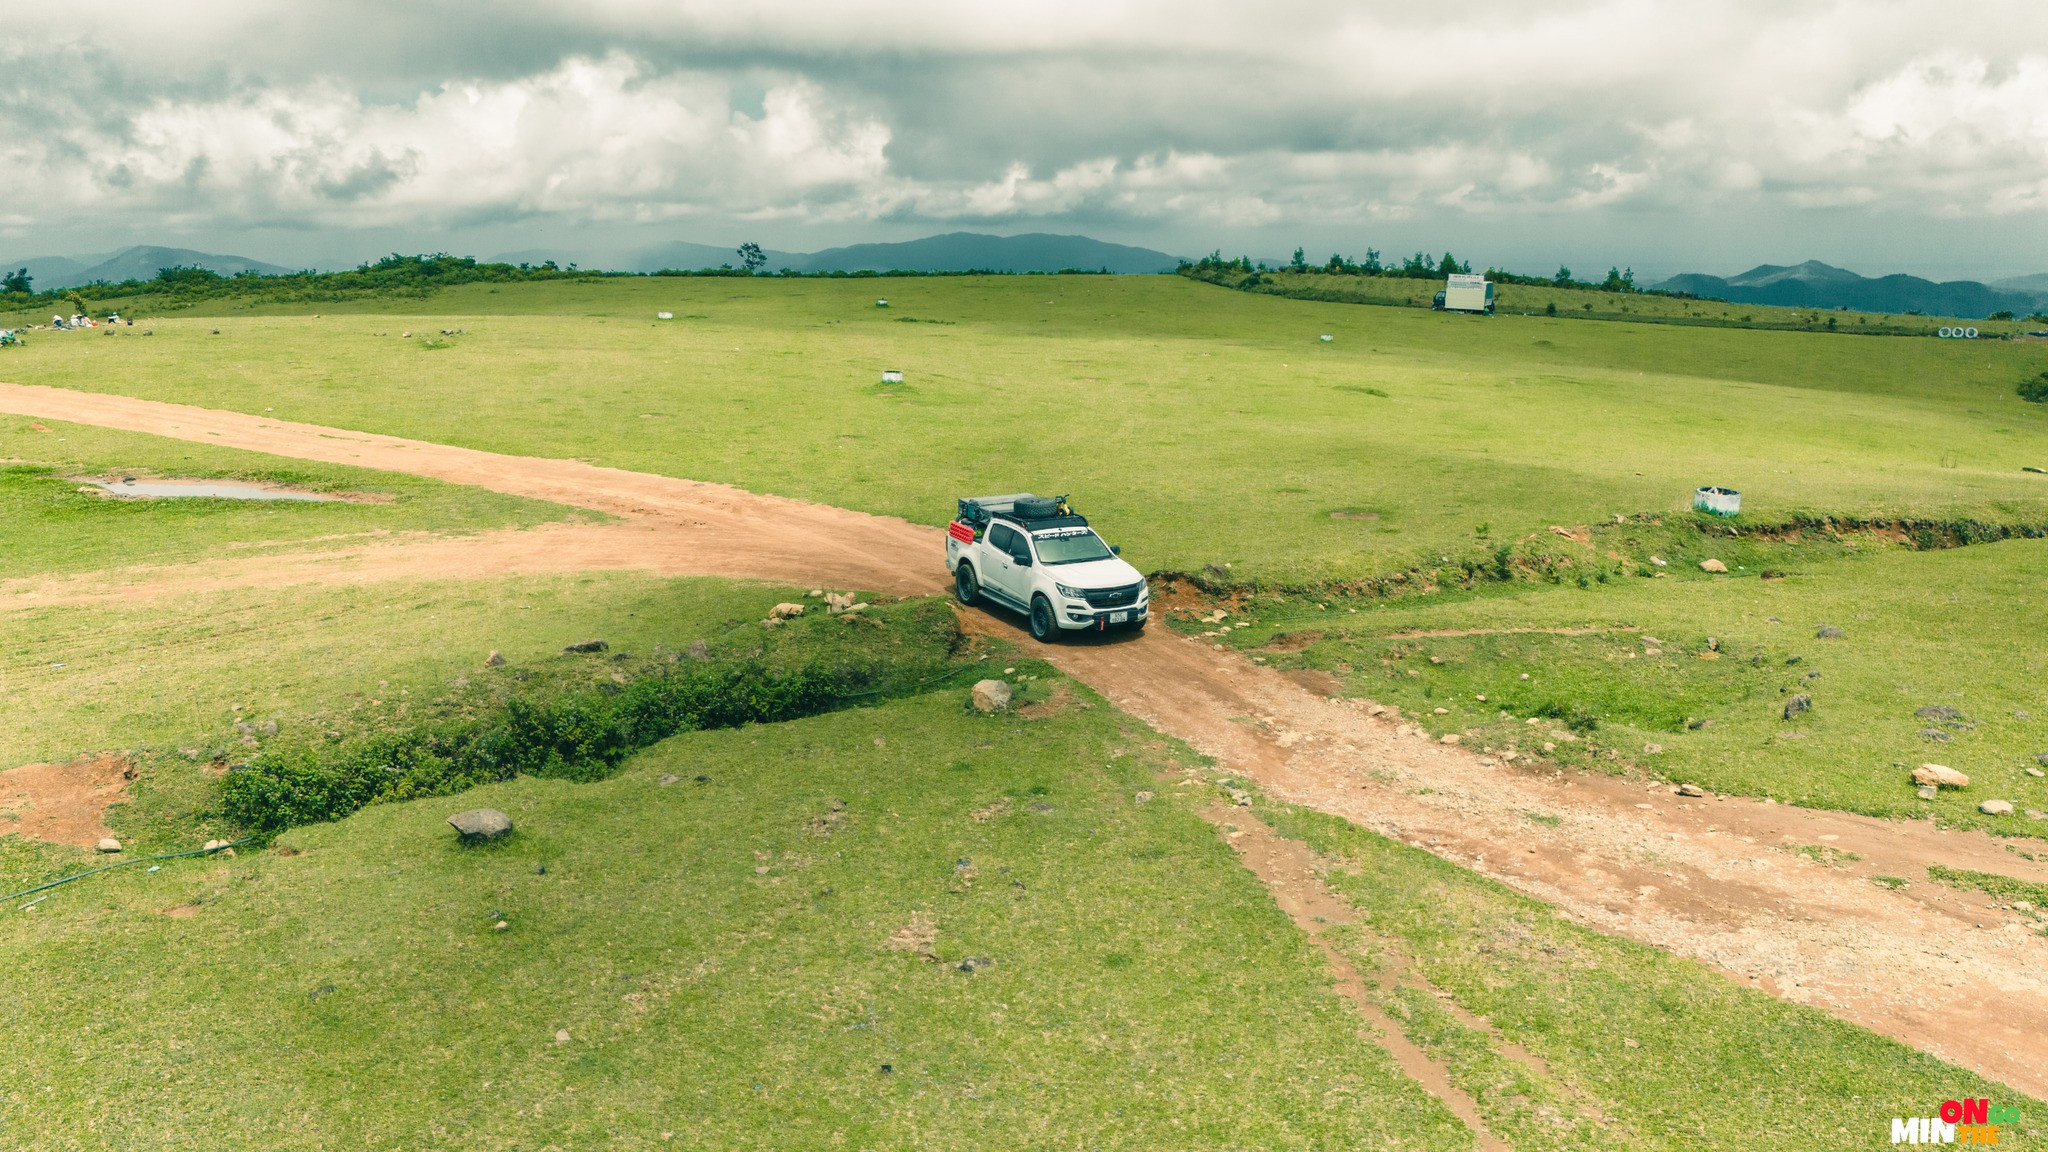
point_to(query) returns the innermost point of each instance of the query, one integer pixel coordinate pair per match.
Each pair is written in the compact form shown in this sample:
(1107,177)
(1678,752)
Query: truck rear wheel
(1044,628)
(964,584)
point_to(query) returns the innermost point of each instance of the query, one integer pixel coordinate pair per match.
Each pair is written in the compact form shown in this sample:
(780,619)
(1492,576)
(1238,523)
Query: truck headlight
(1071,593)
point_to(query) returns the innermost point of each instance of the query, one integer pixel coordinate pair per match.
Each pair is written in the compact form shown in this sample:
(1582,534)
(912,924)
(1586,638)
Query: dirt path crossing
(1944,971)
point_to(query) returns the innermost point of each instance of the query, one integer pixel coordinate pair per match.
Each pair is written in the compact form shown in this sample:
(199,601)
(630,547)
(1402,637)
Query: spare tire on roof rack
(1033,507)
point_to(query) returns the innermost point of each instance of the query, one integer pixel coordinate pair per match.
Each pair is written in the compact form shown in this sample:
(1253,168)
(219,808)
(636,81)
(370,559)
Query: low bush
(2035,391)
(570,727)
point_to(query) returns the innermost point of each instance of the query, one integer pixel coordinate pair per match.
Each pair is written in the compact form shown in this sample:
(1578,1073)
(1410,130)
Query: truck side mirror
(1023,559)
(1116,550)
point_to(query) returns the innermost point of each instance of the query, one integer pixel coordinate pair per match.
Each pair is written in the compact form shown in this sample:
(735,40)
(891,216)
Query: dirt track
(1943,971)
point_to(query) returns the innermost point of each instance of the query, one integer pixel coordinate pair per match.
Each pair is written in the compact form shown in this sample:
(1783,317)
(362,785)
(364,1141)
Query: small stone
(1927,791)
(2036,772)
(1443,711)
(495,660)
(500,926)
(2036,814)
(1712,566)
(1935,735)
(1691,790)
(481,824)
(1797,704)
(1939,776)
(1652,749)
(1830,632)
(1996,807)
(991,695)
(1451,738)
(586,646)
(1939,712)
(109,844)
(668,778)
(562,1036)
(975,964)
(268,727)
(785,611)
(815,593)
(1143,797)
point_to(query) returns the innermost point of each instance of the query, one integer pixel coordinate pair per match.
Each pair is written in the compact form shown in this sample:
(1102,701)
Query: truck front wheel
(1044,628)
(964,584)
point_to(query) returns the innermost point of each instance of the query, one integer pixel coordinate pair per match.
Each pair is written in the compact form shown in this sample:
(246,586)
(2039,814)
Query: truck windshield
(1074,546)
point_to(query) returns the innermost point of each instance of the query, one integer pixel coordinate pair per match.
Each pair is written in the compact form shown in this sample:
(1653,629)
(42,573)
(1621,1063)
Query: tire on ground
(965,586)
(1045,627)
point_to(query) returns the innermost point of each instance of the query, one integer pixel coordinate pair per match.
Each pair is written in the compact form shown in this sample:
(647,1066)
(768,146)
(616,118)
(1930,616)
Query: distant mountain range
(138,262)
(1817,285)
(953,252)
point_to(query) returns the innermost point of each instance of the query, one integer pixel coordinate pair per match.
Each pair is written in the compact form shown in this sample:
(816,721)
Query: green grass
(1195,424)
(49,526)
(1589,304)
(1673,1054)
(717,954)
(1950,629)
(169,678)
(2003,887)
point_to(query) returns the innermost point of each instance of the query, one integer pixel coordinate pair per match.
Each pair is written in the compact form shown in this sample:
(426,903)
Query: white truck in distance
(1034,555)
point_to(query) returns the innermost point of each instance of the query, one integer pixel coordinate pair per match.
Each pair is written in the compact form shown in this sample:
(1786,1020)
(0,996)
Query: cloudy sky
(1699,135)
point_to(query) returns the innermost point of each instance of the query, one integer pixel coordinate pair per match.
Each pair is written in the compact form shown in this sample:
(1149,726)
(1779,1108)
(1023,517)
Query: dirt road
(1944,971)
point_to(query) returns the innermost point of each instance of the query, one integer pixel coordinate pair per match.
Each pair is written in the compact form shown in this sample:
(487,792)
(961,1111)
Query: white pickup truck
(1033,554)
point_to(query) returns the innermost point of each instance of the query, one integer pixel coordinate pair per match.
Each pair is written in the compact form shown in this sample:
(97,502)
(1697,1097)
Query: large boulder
(991,695)
(479,824)
(1939,776)
(1712,566)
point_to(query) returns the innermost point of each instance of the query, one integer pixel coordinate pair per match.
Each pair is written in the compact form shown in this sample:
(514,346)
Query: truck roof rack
(981,509)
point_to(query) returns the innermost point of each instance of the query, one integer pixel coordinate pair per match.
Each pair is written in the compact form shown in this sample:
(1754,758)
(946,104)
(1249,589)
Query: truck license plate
(1119,617)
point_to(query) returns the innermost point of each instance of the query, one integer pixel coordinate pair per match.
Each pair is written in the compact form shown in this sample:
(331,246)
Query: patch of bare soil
(1944,971)
(1292,641)
(64,803)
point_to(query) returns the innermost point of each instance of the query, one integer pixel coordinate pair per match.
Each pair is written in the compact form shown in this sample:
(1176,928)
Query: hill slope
(136,262)
(1817,285)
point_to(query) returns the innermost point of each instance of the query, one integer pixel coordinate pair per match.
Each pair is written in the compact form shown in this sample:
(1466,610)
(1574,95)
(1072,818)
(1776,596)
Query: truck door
(1005,544)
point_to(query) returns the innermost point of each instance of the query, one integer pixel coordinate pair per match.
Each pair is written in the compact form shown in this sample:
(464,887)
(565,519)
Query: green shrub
(2035,390)
(570,727)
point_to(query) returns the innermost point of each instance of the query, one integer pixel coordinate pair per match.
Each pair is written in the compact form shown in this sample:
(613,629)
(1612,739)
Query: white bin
(1718,501)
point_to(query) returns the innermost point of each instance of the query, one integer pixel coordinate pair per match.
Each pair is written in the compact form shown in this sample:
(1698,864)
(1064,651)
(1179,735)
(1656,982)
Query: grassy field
(717,954)
(1627,665)
(52,527)
(168,677)
(1197,424)
(707,962)
(717,951)
(1588,304)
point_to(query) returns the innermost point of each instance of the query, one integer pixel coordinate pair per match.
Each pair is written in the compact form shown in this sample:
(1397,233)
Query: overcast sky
(1883,136)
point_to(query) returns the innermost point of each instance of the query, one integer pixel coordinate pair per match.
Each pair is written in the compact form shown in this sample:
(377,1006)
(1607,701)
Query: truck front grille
(1114,597)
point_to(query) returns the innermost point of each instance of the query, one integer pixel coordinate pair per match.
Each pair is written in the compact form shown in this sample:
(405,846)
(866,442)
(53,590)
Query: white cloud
(1190,115)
